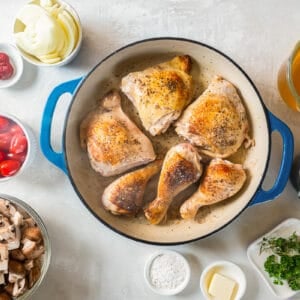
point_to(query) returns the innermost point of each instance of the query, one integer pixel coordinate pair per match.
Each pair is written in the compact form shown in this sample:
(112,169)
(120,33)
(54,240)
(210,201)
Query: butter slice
(221,287)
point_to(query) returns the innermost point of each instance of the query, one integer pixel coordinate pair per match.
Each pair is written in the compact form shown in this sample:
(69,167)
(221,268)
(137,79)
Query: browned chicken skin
(221,180)
(125,195)
(181,168)
(216,121)
(160,93)
(114,143)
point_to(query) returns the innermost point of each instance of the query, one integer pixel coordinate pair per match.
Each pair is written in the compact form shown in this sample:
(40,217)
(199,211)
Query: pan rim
(267,122)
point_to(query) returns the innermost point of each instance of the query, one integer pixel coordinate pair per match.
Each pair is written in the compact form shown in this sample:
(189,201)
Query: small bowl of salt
(167,272)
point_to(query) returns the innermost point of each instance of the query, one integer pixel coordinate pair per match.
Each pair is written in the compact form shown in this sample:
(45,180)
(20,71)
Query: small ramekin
(31,146)
(32,60)
(167,292)
(225,268)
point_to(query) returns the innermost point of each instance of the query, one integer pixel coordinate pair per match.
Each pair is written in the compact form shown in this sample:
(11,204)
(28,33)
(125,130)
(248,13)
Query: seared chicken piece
(181,168)
(221,180)
(113,142)
(217,121)
(160,93)
(125,195)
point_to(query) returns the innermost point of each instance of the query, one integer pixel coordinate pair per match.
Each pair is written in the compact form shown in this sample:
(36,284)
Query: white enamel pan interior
(207,62)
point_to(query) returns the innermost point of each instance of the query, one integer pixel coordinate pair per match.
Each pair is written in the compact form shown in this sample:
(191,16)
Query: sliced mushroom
(9,288)
(29,264)
(19,287)
(28,222)
(28,247)
(14,242)
(12,209)
(2,278)
(5,207)
(4,296)
(38,262)
(7,231)
(37,252)
(17,255)
(33,234)
(13,278)
(17,219)
(3,258)
(33,277)
(16,271)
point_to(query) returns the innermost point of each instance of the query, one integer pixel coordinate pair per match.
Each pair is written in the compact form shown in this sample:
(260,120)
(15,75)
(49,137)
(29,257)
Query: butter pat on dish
(222,287)
(223,280)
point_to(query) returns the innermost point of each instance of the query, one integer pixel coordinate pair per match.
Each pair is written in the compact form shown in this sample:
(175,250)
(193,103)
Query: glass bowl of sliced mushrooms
(24,249)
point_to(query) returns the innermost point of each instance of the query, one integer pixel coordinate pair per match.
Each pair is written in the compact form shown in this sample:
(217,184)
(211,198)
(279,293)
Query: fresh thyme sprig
(284,263)
(281,246)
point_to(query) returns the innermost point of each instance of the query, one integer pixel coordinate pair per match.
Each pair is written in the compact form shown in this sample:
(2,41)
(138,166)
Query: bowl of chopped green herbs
(276,257)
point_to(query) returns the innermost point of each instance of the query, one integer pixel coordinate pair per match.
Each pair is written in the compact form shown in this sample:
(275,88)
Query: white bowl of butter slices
(223,280)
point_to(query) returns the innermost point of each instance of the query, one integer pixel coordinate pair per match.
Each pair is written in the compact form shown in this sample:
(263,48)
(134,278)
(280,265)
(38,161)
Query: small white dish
(163,258)
(284,229)
(15,60)
(35,61)
(227,269)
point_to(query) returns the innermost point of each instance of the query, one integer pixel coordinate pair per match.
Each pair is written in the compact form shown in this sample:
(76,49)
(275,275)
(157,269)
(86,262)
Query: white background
(89,261)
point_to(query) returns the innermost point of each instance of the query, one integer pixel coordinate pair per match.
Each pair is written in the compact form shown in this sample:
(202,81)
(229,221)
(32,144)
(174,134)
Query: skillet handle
(286,162)
(57,158)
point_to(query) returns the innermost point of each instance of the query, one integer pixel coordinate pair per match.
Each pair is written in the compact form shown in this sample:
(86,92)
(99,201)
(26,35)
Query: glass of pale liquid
(289,79)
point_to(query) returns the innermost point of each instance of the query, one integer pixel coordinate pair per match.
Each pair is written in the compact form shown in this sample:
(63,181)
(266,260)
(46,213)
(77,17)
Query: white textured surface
(89,261)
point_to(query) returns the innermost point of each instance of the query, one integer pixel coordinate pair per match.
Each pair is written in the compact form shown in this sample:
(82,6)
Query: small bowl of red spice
(16,146)
(11,65)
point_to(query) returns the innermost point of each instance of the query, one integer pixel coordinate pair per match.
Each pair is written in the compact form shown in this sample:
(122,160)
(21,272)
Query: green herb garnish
(284,263)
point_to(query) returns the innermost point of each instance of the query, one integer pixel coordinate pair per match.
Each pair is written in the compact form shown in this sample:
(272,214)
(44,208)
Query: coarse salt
(167,271)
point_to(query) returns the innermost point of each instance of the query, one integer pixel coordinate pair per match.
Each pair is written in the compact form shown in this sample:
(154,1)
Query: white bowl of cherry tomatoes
(15,146)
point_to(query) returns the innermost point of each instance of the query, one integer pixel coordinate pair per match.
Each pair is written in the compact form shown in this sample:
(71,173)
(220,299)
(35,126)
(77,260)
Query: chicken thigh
(113,142)
(221,180)
(160,93)
(217,121)
(125,195)
(181,168)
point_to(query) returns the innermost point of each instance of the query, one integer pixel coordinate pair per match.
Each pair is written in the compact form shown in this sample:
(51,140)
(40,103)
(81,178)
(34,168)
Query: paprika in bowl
(16,146)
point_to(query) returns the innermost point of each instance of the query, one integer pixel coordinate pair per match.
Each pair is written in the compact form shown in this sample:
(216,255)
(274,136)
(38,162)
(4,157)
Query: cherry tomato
(2,156)
(6,69)
(3,58)
(5,141)
(19,156)
(18,144)
(9,167)
(15,128)
(4,124)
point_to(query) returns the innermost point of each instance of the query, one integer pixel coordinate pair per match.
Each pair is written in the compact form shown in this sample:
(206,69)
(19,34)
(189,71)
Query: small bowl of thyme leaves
(276,257)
